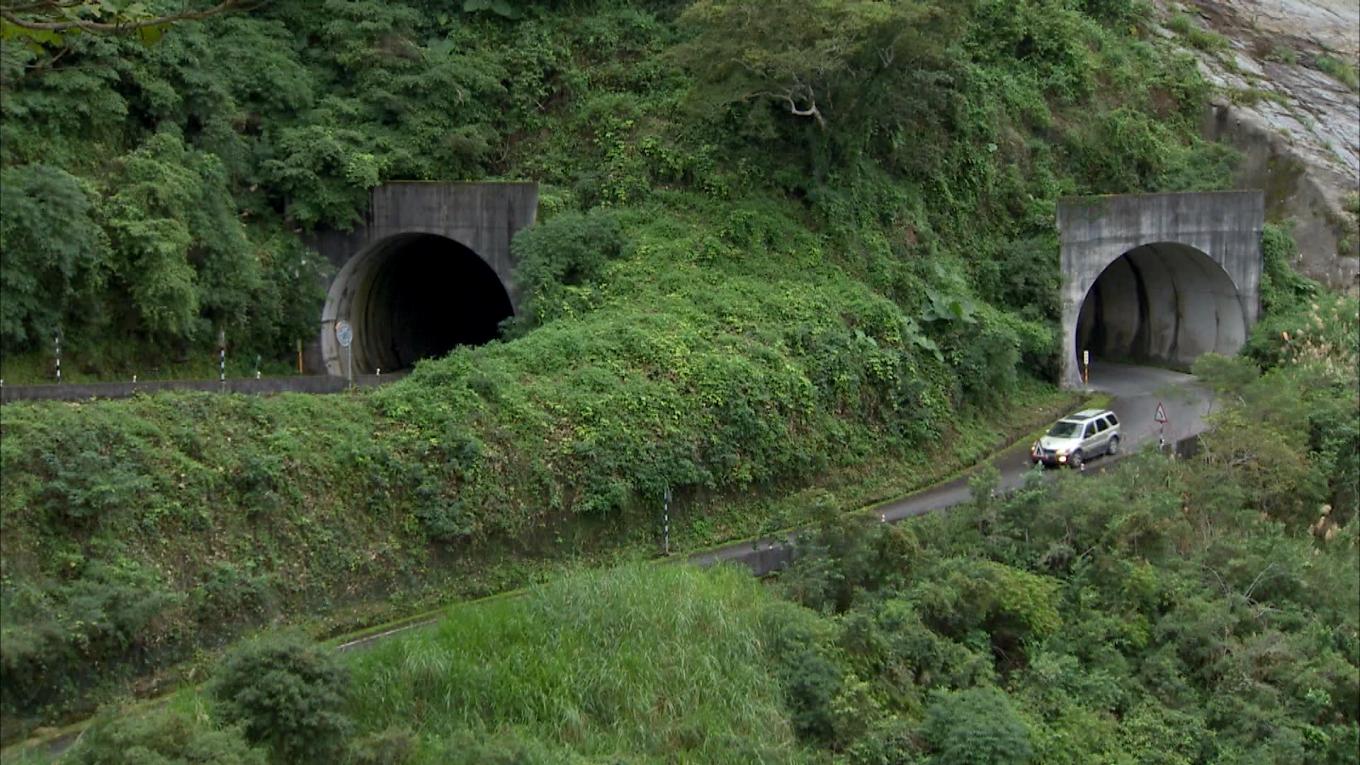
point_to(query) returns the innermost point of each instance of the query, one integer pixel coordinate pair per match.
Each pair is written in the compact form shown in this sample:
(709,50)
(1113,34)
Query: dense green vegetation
(1191,611)
(152,194)
(765,255)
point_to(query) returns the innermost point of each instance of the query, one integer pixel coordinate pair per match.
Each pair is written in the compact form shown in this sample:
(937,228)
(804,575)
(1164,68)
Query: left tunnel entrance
(411,297)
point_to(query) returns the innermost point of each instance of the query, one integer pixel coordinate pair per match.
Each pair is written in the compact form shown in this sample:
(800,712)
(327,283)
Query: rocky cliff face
(1287,74)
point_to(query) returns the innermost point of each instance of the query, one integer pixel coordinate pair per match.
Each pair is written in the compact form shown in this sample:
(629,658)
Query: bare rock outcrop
(1286,73)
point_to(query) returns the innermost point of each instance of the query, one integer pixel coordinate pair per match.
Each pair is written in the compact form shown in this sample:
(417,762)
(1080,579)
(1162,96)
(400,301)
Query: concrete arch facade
(421,246)
(1159,278)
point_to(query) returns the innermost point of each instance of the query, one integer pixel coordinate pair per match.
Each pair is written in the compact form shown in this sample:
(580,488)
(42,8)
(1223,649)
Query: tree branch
(10,14)
(791,94)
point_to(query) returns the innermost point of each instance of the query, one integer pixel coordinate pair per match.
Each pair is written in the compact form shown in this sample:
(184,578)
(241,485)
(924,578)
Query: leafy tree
(835,63)
(56,255)
(978,726)
(287,694)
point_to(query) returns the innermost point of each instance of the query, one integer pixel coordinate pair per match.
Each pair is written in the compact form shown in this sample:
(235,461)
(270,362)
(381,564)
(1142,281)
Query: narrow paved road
(1136,391)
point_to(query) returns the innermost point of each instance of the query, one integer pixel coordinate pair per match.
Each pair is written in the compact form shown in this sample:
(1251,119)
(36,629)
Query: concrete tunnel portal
(1158,278)
(1163,303)
(415,296)
(427,269)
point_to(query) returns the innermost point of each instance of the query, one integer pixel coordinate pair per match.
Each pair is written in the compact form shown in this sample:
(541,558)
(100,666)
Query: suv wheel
(1113,448)
(1075,460)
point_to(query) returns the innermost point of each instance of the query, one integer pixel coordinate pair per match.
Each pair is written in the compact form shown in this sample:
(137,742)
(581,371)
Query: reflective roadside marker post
(57,340)
(222,356)
(257,366)
(344,334)
(666,522)
(1085,367)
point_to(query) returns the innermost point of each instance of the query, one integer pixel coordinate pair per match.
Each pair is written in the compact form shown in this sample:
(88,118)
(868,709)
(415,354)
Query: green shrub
(561,259)
(60,638)
(978,726)
(288,695)
(1282,288)
(1282,54)
(160,738)
(1115,12)
(812,678)
(889,741)
(393,746)
(1198,37)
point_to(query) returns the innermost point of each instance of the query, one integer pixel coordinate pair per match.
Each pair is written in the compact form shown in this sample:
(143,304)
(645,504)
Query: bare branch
(803,92)
(810,111)
(1257,581)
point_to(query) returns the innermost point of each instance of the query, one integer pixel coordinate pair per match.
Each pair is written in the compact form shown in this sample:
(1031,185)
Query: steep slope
(1288,75)
(731,294)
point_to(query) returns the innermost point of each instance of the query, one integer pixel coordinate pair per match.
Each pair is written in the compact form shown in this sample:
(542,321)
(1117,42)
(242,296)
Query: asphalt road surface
(1136,392)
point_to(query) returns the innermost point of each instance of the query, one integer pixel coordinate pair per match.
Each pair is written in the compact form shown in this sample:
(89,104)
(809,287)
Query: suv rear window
(1113,420)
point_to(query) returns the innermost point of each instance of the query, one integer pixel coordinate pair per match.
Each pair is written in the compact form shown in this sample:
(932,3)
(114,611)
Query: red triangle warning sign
(1161,413)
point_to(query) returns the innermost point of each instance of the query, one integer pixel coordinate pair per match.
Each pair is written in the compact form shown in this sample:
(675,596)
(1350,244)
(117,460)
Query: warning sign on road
(1161,413)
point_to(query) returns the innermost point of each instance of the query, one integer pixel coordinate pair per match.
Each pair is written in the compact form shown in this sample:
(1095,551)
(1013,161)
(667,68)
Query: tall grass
(1344,71)
(639,661)
(1195,35)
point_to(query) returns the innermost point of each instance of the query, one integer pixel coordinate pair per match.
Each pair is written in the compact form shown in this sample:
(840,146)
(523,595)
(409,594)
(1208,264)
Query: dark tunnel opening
(416,296)
(1162,303)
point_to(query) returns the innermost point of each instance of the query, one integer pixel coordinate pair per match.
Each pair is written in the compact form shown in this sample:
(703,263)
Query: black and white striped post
(666,522)
(257,366)
(57,340)
(222,356)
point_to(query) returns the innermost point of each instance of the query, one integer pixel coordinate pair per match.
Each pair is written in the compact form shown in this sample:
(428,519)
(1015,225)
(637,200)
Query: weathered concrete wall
(1190,283)
(482,217)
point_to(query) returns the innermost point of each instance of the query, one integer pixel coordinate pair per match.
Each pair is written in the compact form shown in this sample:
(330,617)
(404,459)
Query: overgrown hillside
(777,241)
(1178,611)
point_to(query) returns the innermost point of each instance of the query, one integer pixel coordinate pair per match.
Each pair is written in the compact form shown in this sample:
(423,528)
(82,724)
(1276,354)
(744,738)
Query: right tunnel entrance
(1164,303)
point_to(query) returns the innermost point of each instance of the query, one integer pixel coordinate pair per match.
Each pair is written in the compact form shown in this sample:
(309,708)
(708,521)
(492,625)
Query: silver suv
(1077,438)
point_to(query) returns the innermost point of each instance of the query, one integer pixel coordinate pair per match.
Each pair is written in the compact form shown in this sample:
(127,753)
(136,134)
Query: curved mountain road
(1136,391)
